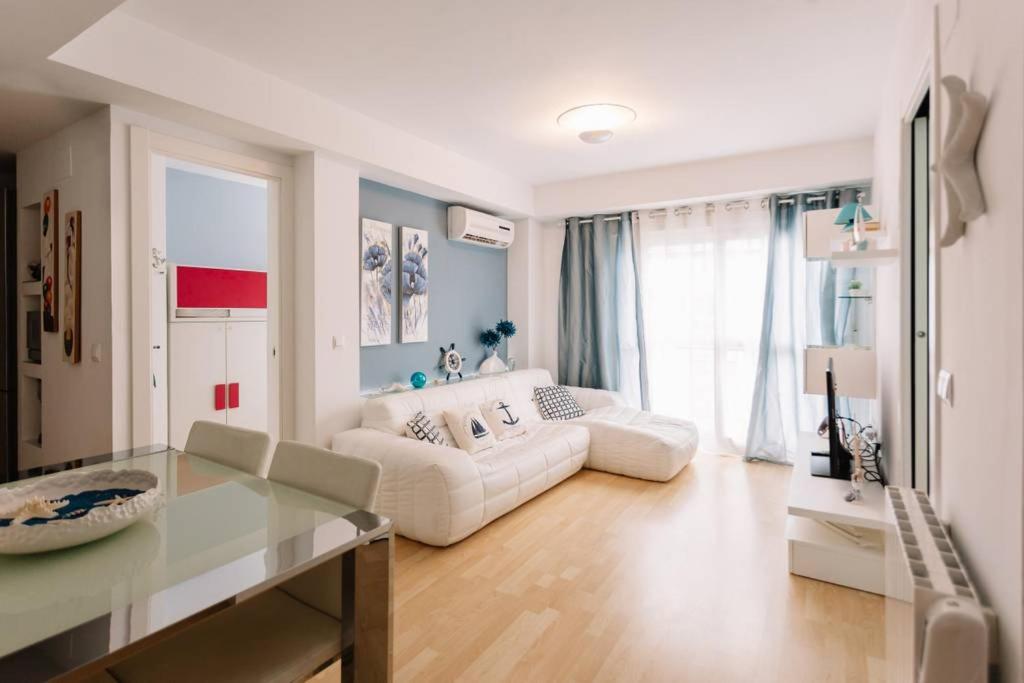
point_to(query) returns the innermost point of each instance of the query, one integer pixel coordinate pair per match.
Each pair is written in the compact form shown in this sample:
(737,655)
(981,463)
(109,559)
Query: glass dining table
(221,537)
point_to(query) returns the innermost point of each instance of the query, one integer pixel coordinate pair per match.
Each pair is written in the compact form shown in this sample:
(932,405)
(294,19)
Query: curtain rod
(591,220)
(729,206)
(745,203)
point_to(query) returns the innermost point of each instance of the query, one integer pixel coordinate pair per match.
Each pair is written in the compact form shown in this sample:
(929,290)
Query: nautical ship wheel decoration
(451,362)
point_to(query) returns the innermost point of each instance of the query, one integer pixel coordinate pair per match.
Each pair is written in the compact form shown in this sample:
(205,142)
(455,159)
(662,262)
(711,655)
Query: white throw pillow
(469,428)
(556,403)
(503,418)
(422,428)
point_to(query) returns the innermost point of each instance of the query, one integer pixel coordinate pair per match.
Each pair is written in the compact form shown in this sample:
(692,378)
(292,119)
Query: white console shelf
(829,538)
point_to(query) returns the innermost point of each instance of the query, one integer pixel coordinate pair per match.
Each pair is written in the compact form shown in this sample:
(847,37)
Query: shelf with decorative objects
(866,258)
(836,516)
(32,288)
(825,239)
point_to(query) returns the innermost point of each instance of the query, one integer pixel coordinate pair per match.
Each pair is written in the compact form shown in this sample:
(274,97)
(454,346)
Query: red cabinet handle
(219,397)
(233,395)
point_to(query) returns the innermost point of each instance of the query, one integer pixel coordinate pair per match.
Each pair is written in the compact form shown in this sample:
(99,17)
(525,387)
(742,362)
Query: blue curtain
(800,309)
(600,315)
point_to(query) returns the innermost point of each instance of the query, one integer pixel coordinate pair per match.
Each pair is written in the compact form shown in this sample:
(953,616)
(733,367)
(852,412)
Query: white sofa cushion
(422,428)
(636,443)
(556,403)
(470,429)
(504,418)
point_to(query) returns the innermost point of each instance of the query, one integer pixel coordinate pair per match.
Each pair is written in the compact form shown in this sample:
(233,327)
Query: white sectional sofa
(441,494)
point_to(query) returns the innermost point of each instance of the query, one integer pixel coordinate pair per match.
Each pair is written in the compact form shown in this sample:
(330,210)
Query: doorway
(921,297)
(206,282)
(210,352)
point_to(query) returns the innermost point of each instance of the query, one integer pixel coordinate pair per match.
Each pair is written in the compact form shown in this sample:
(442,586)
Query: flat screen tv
(837,462)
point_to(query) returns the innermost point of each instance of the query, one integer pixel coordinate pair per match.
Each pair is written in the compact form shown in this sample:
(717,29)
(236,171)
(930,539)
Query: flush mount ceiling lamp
(596,123)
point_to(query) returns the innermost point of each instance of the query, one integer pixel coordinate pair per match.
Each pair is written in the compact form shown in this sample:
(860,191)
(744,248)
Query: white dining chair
(243,449)
(287,632)
(344,478)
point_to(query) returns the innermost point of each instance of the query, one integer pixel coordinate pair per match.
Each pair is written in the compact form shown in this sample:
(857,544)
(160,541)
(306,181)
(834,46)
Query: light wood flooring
(606,578)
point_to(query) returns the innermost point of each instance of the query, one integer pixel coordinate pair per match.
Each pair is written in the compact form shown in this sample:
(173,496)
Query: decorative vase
(492,364)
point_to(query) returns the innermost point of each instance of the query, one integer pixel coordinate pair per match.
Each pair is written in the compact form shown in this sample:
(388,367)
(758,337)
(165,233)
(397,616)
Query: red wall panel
(220,288)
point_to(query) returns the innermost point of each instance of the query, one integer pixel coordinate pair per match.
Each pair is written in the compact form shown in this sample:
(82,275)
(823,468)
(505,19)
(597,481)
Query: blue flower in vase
(490,339)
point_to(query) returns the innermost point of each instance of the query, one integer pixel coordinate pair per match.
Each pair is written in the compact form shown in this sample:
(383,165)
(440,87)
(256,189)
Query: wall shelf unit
(32,369)
(30,379)
(829,538)
(863,259)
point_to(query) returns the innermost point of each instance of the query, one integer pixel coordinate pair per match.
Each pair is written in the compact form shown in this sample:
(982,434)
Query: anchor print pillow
(504,419)
(470,429)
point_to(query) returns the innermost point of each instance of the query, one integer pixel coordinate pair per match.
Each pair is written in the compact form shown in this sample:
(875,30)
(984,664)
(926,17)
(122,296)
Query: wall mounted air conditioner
(474,227)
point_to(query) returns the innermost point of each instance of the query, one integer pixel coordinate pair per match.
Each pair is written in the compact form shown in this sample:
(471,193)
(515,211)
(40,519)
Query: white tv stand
(829,538)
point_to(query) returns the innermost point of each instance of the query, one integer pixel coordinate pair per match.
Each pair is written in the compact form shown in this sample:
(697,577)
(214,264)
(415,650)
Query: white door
(197,349)
(246,354)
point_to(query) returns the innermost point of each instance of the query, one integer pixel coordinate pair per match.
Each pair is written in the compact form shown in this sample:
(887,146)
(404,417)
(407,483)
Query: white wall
(794,168)
(119,291)
(980,299)
(326,298)
(77,418)
(524,292)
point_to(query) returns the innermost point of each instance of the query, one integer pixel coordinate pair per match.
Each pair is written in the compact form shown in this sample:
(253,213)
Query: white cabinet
(217,370)
(246,360)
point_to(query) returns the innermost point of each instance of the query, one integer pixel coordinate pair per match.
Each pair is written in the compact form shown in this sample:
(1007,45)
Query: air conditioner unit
(467,225)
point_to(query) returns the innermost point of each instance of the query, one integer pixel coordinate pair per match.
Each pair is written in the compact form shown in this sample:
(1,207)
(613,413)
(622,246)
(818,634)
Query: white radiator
(953,636)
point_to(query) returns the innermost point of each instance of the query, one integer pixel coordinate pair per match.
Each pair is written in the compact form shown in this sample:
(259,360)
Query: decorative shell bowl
(32,517)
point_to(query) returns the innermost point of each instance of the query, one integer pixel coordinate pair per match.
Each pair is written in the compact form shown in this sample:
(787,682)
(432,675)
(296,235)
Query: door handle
(233,395)
(920,335)
(219,397)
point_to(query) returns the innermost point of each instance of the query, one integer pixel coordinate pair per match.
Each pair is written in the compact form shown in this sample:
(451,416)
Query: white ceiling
(487,78)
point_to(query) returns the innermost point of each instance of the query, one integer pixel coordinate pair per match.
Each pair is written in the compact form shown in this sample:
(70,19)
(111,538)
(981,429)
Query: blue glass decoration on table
(418,380)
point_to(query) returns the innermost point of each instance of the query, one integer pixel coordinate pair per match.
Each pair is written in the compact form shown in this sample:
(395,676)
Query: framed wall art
(72,271)
(49,246)
(377,284)
(415,285)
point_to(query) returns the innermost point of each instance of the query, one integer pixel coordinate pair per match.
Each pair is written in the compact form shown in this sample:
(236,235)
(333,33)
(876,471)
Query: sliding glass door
(920,297)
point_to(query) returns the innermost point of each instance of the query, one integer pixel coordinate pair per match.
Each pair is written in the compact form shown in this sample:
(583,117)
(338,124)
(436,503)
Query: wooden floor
(606,578)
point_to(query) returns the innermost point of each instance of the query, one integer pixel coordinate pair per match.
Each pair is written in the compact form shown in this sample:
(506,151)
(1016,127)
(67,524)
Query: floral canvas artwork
(49,249)
(377,283)
(72,287)
(415,285)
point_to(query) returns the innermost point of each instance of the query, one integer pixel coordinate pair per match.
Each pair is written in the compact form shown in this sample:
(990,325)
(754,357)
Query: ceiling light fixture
(595,123)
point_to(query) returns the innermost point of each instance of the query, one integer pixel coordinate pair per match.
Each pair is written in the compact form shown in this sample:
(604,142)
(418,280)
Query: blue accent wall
(468,290)
(215,222)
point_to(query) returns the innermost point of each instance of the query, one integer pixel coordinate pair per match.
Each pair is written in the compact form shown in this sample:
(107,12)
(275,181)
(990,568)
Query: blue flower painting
(377,283)
(415,285)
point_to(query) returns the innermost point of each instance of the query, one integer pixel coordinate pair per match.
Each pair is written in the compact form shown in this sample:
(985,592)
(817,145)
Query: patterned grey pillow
(556,403)
(422,428)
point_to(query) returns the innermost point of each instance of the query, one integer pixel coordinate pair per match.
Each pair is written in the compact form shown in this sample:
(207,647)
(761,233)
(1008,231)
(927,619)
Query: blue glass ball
(418,380)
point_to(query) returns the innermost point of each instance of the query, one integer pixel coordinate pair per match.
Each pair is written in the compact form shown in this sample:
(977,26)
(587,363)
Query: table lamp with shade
(852,217)
(837,371)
